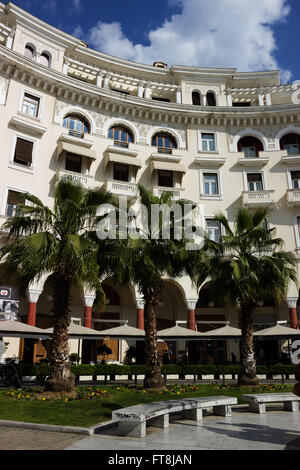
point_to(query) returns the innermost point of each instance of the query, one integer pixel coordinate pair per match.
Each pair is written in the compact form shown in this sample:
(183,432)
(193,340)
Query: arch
(197,98)
(206,299)
(76,124)
(250,145)
(211,98)
(121,135)
(122,122)
(76,110)
(167,130)
(30,51)
(245,133)
(164,142)
(45,59)
(283,132)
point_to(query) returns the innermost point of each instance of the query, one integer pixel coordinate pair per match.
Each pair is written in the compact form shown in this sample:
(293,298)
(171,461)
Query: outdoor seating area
(132,421)
(257,402)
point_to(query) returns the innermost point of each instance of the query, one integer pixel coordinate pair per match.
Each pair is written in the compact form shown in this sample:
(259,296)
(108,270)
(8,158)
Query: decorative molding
(292,302)
(191,303)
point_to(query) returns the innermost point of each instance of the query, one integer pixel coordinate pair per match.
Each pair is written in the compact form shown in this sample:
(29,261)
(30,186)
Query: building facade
(218,137)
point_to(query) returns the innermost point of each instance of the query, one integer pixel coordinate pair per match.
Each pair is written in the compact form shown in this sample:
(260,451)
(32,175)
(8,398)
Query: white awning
(119,158)
(15,329)
(76,149)
(167,166)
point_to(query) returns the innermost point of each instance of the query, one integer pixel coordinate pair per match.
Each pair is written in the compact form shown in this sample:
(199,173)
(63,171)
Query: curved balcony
(258,198)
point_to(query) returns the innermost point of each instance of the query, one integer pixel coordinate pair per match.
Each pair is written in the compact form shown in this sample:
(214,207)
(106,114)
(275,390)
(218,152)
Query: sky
(250,35)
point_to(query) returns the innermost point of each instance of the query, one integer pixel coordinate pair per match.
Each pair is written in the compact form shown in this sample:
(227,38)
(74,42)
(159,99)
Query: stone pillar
(191,304)
(268,99)
(147,91)
(33,297)
(66,66)
(141,89)
(261,99)
(178,96)
(9,41)
(292,303)
(99,79)
(106,81)
(140,313)
(229,99)
(89,298)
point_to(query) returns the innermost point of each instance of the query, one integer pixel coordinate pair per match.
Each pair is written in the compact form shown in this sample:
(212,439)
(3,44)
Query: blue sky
(247,34)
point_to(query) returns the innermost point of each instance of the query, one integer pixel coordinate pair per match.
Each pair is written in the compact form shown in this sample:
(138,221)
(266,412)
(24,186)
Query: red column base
(293,318)
(87,322)
(140,319)
(191,320)
(31,318)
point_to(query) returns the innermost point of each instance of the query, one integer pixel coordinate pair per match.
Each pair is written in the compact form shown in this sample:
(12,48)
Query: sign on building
(9,303)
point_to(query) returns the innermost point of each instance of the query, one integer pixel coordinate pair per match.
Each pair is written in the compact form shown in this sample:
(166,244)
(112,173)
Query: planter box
(121,377)
(208,377)
(189,377)
(28,378)
(263,376)
(173,376)
(100,377)
(277,377)
(84,378)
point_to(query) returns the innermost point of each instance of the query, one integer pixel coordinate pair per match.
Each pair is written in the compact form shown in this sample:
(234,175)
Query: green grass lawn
(90,409)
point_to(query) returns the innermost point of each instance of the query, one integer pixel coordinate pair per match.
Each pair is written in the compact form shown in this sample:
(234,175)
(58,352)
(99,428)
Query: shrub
(171,369)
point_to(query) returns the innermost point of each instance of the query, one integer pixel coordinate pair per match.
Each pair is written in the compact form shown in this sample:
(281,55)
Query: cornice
(15,66)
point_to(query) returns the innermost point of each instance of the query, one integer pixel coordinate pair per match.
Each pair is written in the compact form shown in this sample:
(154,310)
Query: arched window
(45,59)
(121,135)
(164,142)
(76,124)
(290,143)
(250,146)
(29,52)
(211,99)
(196,98)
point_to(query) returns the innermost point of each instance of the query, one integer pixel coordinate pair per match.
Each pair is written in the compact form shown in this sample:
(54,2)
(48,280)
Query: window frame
(289,172)
(21,102)
(128,172)
(200,147)
(19,166)
(173,179)
(163,135)
(296,231)
(212,218)
(8,188)
(77,118)
(121,128)
(210,171)
(263,180)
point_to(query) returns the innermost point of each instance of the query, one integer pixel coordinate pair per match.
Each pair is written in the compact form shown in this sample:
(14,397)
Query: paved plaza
(276,430)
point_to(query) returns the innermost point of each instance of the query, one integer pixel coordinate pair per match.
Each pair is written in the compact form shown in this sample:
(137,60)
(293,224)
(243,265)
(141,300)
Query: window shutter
(14,197)
(23,151)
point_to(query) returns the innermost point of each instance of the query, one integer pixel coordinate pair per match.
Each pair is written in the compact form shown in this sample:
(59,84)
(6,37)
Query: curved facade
(221,137)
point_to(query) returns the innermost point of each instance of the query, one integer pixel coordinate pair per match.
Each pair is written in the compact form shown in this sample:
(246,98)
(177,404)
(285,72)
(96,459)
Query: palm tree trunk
(61,378)
(153,376)
(247,375)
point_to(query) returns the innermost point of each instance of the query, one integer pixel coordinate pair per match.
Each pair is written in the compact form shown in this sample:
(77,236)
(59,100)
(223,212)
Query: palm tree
(145,261)
(41,241)
(246,266)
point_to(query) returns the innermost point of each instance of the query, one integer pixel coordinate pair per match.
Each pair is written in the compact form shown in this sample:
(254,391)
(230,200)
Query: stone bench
(132,420)
(258,401)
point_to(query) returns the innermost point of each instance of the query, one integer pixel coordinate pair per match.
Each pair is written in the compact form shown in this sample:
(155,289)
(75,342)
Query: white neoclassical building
(215,136)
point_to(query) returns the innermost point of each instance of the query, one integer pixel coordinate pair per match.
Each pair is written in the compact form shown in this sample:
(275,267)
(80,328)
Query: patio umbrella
(78,332)
(15,329)
(277,331)
(225,332)
(178,332)
(122,332)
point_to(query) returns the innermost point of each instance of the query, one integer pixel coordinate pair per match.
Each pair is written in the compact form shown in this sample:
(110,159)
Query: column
(147,91)
(9,40)
(292,303)
(191,304)
(88,309)
(33,297)
(229,99)
(141,89)
(99,79)
(261,99)
(140,313)
(66,66)
(178,96)
(106,81)
(268,99)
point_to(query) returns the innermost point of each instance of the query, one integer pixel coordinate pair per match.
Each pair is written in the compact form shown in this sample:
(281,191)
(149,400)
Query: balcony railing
(293,197)
(258,198)
(77,177)
(121,188)
(176,192)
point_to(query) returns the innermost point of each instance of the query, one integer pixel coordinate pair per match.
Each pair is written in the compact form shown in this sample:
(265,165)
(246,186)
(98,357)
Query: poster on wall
(9,303)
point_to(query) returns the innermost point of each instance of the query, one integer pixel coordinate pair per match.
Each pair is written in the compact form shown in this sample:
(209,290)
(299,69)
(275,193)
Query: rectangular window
(295,175)
(292,149)
(208,142)
(31,105)
(14,198)
(213,230)
(165,178)
(255,182)
(73,163)
(210,183)
(249,152)
(121,172)
(23,152)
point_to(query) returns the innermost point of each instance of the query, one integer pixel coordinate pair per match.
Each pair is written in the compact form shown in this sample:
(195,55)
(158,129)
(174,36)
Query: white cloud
(77,5)
(214,33)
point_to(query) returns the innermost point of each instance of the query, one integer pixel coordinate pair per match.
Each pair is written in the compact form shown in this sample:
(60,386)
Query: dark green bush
(199,370)
(83,369)
(282,369)
(137,369)
(171,369)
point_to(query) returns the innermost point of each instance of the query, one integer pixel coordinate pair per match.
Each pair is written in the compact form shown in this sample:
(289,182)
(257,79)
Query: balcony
(121,188)
(258,198)
(176,192)
(293,197)
(85,180)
